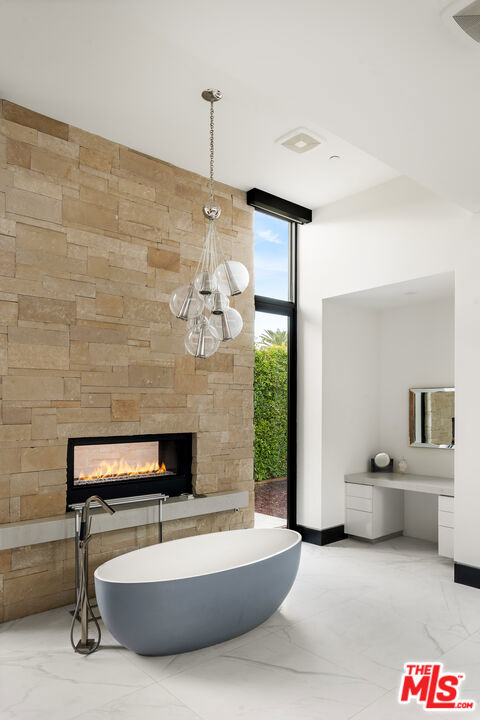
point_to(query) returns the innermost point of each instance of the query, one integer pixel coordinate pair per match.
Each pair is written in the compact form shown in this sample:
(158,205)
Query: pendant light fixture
(215,281)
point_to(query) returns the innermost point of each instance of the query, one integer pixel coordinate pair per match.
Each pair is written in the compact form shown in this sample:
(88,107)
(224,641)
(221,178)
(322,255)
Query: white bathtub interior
(197,555)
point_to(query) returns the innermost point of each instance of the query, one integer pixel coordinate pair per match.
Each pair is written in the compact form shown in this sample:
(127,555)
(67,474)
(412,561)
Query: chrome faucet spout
(85,522)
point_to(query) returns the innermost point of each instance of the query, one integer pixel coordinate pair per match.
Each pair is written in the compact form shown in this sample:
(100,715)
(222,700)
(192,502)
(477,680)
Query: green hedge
(271,368)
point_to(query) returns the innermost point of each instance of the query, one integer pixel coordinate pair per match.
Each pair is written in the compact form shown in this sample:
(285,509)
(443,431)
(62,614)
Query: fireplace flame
(120,468)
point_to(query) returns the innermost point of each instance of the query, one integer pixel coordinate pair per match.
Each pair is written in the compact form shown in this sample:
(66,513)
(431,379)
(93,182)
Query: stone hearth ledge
(61,527)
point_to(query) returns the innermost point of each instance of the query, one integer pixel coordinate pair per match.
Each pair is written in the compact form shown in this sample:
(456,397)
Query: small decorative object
(382,462)
(216,279)
(402,465)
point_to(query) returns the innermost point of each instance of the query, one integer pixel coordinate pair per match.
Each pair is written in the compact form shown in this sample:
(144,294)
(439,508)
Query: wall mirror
(432,417)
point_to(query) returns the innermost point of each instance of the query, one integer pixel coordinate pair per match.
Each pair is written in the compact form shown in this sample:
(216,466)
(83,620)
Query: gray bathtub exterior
(175,616)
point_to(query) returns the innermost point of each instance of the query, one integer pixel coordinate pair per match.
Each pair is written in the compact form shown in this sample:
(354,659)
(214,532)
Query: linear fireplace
(119,466)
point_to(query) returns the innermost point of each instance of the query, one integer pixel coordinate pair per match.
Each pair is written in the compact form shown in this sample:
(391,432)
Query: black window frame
(288,309)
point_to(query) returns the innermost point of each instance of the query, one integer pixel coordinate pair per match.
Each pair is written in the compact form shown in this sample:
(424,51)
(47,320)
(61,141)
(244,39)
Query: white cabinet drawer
(359,523)
(445,542)
(446,519)
(357,490)
(446,503)
(358,503)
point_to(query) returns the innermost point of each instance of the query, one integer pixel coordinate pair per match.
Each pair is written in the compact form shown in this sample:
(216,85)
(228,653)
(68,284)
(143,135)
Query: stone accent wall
(93,238)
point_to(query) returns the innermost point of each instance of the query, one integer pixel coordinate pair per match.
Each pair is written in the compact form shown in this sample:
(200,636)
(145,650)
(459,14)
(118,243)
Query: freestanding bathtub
(186,594)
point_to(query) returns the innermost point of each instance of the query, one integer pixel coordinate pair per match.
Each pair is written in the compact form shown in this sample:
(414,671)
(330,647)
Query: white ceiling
(433,288)
(391,78)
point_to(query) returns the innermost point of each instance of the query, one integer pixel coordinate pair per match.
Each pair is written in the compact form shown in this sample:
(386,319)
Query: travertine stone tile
(58,145)
(147,310)
(32,388)
(23,483)
(29,204)
(18,153)
(15,131)
(4,510)
(95,159)
(43,458)
(220,362)
(137,189)
(33,336)
(98,197)
(31,119)
(44,427)
(155,216)
(94,142)
(8,312)
(78,212)
(36,182)
(83,414)
(165,259)
(191,384)
(30,237)
(38,356)
(46,310)
(105,378)
(125,409)
(7,263)
(96,400)
(17,433)
(147,376)
(12,415)
(72,389)
(93,334)
(111,305)
(146,167)
(53,165)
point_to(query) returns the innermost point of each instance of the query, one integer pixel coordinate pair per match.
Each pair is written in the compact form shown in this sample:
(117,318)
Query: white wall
(350,413)
(416,350)
(394,232)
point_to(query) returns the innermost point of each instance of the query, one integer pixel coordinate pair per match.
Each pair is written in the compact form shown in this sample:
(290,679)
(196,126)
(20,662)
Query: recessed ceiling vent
(468,19)
(300,140)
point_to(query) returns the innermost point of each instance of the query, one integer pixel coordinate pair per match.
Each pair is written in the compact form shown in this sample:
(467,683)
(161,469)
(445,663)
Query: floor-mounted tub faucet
(83,609)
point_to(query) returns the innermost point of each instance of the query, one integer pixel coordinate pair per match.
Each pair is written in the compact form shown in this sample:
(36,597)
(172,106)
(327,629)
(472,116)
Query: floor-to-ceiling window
(275,362)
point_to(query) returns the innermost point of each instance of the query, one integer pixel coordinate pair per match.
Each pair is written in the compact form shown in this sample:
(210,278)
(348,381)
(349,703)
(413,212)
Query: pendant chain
(212,128)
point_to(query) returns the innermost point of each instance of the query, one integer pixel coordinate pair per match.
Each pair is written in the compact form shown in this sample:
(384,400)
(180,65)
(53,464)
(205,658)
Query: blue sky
(271,268)
(271,256)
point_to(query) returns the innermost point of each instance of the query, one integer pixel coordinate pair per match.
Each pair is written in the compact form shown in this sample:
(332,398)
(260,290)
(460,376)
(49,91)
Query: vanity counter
(430,484)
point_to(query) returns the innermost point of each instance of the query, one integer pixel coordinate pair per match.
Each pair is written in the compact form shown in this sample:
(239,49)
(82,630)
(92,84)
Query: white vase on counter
(402,466)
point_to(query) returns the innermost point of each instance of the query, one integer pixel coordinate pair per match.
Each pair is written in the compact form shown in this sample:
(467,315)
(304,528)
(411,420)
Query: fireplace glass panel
(112,462)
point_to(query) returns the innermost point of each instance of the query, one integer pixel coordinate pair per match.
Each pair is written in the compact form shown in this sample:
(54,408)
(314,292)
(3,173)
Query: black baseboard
(322,537)
(466,575)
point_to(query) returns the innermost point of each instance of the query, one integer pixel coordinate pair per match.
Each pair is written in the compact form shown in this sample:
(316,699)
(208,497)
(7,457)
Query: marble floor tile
(162,667)
(334,650)
(151,703)
(272,679)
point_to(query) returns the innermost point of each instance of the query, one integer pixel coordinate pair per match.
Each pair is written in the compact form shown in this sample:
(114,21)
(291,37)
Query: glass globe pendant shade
(197,321)
(217,302)
(232,277)
(227,325)
(186,302)
(202,341)
(205,283)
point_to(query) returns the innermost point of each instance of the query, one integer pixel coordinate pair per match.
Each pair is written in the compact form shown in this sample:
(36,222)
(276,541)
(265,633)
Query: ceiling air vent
(468,19)
(300,140)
